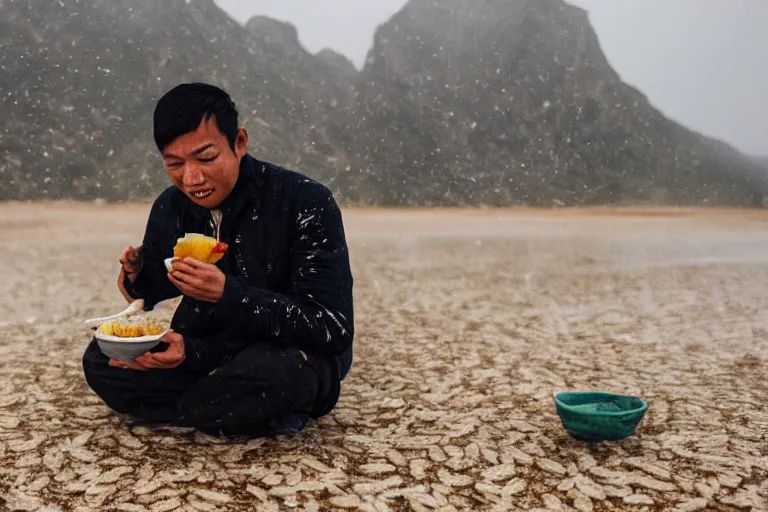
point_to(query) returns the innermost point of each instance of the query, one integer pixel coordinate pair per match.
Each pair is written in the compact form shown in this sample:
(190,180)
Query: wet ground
(467,323)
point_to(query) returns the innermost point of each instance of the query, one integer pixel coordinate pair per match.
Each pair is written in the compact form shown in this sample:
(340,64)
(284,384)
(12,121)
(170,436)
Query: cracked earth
(467,323)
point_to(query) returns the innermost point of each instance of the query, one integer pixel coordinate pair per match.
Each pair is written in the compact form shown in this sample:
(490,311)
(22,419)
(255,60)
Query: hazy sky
(702,62)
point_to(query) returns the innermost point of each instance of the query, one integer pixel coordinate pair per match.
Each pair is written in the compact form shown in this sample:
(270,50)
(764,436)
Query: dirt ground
(467,323)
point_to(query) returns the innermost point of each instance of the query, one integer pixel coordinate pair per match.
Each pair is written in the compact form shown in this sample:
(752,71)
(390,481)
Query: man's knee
(98,375)
(95,364)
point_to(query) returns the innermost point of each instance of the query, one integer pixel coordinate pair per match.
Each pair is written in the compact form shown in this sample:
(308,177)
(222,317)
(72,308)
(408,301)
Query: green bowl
(594,416)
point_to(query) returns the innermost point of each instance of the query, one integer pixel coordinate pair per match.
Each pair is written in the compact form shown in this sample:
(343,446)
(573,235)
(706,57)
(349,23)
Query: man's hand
(201,281)
(130,266)
(130,262)
(171,358)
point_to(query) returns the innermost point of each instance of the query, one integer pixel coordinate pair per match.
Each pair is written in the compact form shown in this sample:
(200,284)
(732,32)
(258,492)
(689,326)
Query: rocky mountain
(504,101)
(80,80)
(461,102)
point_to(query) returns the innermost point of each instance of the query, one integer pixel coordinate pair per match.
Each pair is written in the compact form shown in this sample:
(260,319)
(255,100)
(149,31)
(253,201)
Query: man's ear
(241,142)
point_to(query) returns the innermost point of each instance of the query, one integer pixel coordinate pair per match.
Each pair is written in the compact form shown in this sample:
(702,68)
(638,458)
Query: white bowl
(127,349)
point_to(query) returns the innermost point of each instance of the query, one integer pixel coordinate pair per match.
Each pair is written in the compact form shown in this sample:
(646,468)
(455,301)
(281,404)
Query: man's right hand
(131,263)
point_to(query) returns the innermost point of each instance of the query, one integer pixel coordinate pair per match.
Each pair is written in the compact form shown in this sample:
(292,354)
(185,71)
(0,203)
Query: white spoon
(135,307)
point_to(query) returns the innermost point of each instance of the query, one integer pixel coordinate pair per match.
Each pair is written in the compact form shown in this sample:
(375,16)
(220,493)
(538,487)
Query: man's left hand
(171,358)
(201,281)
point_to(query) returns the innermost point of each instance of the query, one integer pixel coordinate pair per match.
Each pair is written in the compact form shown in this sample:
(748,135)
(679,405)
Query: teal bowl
(594,416)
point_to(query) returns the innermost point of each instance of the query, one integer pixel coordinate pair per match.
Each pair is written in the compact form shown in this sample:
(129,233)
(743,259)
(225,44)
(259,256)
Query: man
(262,340)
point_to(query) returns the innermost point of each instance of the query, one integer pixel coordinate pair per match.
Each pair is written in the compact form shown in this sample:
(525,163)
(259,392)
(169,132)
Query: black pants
(251,394)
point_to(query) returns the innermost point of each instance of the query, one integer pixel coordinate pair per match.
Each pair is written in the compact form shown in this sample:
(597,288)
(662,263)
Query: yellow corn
(148,328)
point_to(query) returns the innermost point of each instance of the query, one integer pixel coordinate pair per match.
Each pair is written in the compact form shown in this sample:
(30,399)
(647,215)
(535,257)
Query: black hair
(183,108)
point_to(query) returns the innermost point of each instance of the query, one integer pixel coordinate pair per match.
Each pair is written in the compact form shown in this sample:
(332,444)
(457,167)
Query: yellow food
(123,330)
(202,248)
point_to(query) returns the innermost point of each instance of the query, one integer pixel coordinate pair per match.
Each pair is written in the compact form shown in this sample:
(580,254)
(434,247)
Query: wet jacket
(288,278)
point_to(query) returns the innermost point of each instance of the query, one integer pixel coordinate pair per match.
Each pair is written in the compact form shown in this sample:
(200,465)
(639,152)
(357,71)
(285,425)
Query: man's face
(202,165)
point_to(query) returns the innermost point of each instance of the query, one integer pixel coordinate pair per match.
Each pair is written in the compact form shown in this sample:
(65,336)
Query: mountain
(460,102)
(513,101)
(82,79)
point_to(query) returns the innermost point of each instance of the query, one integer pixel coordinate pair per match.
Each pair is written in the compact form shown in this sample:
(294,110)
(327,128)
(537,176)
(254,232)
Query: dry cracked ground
(468,322)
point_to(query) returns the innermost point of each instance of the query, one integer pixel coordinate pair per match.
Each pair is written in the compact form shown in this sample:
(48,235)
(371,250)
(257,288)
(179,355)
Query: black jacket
(287,266)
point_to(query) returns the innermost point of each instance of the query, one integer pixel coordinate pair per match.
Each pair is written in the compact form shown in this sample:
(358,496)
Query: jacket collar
(242,192)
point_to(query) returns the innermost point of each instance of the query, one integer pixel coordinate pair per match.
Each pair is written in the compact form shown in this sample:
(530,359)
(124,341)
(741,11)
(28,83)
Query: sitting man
(262,339)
